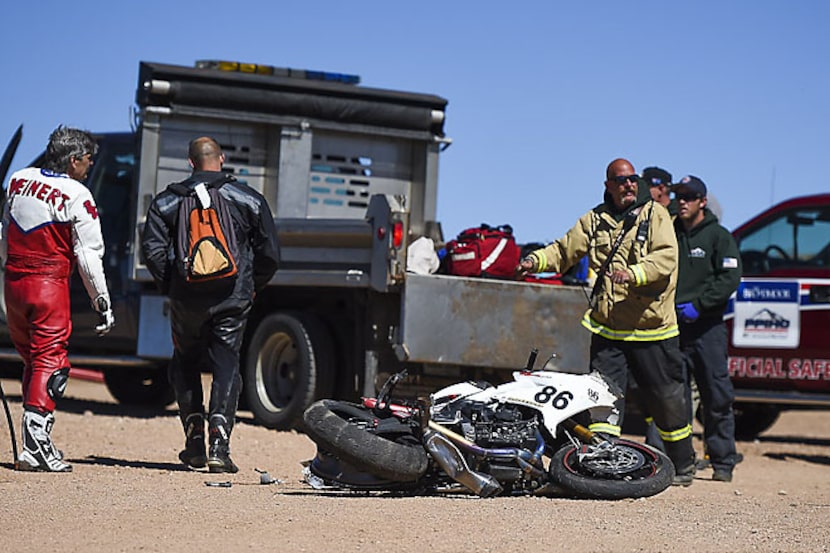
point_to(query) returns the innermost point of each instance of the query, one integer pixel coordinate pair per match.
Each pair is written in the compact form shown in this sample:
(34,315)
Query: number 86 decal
(557,400)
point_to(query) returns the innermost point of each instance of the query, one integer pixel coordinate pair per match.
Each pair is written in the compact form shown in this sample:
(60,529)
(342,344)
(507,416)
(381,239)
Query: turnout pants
(704,343)
(659,370)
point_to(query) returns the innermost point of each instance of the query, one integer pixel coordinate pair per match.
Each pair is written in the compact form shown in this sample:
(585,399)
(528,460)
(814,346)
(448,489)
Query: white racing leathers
(50,223)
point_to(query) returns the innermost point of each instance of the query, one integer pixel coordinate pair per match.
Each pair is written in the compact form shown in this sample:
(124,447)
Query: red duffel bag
(484,251)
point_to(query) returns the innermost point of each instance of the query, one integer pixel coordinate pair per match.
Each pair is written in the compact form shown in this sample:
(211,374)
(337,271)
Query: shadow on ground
(112,462)
(813,459)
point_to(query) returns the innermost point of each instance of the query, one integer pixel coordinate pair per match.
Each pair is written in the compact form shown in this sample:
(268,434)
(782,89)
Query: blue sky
(542,94)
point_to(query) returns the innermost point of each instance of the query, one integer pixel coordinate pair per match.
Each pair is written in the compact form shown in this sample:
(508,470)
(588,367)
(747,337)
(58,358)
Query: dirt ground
(129,493)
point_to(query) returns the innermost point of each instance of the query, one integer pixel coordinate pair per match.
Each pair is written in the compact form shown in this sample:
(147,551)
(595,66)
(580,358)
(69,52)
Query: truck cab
(779,319)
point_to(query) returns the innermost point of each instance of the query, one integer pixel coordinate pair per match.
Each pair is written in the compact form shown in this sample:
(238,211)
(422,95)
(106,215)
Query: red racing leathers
(50,222)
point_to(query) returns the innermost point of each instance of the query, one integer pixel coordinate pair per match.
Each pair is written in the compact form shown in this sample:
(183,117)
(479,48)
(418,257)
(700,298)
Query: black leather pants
(207,339)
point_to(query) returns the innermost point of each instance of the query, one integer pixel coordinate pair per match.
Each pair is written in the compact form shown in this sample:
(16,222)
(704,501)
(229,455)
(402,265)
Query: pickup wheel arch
(288,365)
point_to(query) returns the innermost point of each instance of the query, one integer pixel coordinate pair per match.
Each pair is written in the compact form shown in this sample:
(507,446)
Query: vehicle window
(799,238)
(110,182)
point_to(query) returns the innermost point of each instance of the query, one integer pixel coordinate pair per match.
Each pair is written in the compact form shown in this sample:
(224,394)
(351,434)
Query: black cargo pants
(660,373)
(704,343)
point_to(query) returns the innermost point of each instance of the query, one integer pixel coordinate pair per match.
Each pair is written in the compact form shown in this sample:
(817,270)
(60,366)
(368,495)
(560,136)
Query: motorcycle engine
(504,426)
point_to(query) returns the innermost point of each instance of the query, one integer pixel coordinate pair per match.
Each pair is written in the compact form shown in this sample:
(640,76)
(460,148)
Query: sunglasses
(622,179)
(687,197)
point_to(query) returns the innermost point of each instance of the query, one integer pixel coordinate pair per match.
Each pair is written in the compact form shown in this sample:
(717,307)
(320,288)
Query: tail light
(397,234)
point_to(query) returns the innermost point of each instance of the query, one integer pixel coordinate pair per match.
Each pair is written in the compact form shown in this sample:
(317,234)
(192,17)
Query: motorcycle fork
(584,434)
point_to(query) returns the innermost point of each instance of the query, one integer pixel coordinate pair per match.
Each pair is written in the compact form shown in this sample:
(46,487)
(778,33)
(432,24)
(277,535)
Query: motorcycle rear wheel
(637,470)
(346,430)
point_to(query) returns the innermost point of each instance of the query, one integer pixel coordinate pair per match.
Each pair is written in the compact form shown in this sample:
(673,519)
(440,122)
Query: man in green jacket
(709,271)
(632,248)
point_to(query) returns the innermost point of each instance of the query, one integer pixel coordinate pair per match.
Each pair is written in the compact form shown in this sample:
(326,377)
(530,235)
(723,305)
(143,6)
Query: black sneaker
(722,475)
(219,459)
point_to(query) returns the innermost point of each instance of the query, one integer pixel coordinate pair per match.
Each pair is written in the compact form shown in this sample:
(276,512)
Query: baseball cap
(691,184)
(655,176)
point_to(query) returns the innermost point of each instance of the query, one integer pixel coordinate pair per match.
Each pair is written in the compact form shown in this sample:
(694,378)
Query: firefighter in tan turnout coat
(631,246)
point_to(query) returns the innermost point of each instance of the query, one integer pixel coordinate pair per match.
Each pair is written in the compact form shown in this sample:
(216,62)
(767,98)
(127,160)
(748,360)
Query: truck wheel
(289,365)
(753,418)
(147,387)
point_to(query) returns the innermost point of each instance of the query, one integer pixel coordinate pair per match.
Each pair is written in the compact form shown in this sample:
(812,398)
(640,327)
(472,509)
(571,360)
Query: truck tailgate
(491,323)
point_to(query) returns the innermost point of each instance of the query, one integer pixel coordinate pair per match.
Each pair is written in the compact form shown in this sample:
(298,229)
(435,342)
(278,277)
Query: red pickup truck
(779,318)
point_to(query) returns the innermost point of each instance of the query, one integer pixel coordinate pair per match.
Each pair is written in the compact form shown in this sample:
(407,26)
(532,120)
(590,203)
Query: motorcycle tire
(345,430)
(641,471)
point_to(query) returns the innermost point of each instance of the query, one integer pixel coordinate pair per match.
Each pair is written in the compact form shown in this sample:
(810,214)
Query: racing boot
(194,454)
(219,435)
(39,453)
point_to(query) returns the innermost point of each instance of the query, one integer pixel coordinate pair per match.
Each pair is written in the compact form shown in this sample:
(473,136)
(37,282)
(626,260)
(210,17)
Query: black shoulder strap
(628,222)
(182,189)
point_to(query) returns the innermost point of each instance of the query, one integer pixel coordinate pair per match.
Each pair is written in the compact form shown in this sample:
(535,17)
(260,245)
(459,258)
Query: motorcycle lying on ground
(490,440)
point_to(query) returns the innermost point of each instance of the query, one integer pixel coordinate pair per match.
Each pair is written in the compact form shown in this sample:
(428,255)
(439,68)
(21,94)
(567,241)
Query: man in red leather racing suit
(50,223)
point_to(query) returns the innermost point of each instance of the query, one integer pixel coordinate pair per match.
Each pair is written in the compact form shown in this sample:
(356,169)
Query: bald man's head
(205,154)
(618,167)
(621,182)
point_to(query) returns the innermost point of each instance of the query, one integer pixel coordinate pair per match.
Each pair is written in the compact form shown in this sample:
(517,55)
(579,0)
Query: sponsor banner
(766,314)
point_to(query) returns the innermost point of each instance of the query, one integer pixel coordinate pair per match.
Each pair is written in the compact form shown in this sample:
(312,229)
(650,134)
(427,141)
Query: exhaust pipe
(450,459)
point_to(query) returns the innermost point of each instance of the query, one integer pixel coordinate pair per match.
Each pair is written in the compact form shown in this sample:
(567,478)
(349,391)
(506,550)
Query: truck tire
(753,418)
(147,387)
(289,365)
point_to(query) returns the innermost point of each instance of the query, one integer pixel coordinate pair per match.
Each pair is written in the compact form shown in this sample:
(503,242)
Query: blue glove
(687,312)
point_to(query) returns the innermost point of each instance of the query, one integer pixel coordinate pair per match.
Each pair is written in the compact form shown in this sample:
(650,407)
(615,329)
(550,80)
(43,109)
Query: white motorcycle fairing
(556,395)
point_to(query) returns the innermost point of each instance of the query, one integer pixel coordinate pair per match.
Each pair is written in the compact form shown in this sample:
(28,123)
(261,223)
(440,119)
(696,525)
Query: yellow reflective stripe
(541,261)
(676,435)
(605,428)
(649,420)
(635,335)
(639,275)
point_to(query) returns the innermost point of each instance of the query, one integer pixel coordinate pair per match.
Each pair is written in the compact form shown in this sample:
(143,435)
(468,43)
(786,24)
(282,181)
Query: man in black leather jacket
(208,318)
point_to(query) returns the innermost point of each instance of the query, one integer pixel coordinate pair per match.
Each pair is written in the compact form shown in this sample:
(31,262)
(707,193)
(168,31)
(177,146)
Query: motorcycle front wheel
(385,448)
(627,470)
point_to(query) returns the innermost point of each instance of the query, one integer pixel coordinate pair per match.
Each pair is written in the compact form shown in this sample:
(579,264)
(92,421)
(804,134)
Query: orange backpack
(206,247)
